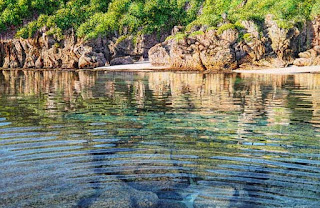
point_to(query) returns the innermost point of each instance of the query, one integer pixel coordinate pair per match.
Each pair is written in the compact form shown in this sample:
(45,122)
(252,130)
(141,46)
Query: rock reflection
(252,95)
(209,91)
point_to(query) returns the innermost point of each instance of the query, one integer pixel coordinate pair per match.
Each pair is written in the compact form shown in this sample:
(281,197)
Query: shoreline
(146,66)
(281,71)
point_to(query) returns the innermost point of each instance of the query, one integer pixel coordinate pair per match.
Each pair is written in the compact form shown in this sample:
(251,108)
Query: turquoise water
(187,139)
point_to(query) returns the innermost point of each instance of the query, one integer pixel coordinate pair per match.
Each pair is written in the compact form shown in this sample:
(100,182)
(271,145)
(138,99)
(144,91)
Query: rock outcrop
(45,51)
(247,45)
(207,51)
(312,56)
(240,47)
(137,47)
(309,58)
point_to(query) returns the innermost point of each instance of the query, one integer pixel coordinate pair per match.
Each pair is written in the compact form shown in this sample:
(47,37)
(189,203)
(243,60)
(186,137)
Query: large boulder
(201,51)
(91,60)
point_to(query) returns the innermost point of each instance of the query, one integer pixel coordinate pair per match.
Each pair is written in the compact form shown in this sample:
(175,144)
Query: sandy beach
(148,66)
(145,66)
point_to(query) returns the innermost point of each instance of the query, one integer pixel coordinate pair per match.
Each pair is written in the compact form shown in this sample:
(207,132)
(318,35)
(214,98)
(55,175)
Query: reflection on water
(195,140)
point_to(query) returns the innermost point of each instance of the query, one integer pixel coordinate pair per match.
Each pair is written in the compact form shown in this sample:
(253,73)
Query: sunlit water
(195,140)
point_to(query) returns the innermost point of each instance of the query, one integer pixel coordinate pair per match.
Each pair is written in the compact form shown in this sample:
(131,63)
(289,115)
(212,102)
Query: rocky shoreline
(46,52)
(248,46)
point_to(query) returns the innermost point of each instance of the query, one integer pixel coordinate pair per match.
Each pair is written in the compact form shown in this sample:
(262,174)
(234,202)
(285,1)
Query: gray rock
(121,61)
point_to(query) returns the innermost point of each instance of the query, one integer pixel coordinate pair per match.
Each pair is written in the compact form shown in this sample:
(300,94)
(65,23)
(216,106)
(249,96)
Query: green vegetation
(225,27)
(196,33)
(91,18)
(247,37)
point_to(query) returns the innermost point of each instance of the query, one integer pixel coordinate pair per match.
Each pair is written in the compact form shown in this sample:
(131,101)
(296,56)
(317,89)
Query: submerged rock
(120,195)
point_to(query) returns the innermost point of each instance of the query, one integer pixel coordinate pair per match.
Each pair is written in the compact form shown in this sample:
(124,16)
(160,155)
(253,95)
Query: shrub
(92,18)
(225,27)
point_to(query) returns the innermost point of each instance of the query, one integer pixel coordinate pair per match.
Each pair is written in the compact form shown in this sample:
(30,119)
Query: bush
(93,18)
(225,27)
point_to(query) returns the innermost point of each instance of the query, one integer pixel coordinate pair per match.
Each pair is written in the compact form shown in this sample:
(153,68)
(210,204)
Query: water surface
(194,140)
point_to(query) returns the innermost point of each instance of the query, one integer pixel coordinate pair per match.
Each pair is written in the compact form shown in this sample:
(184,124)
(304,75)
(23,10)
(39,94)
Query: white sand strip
(146,66)
(288,70)
(132,67)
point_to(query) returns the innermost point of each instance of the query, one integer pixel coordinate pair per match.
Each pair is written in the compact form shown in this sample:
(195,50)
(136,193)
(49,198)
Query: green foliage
(93,18)
(178,36)
(247,37)
(315,11)
(196,33)
(122,38)
(225,27)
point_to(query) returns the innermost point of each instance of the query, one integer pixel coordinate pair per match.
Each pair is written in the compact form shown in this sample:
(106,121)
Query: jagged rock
(277,47)
(309,57)
(44,51)
(39,63)
(196,53)
(302,62)
(316,31)
(230,35)
(176,29)
(121,61)
(159,55)
(284,41)
(221,59)
(124,46)
(273,47)
(136,47)
(91,60)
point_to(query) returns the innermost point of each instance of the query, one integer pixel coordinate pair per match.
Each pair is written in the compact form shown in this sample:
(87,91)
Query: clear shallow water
(194,140)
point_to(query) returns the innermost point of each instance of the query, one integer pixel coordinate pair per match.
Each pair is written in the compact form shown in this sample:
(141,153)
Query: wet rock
(121,61)
(171,204)
(215,197)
